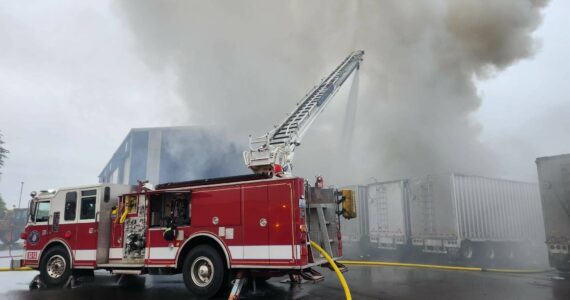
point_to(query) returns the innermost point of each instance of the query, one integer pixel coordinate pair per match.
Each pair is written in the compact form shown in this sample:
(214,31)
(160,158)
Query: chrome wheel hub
(202,271)
(56,266)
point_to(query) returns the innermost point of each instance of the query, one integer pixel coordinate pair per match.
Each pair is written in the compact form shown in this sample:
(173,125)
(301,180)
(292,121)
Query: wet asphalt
(364,282)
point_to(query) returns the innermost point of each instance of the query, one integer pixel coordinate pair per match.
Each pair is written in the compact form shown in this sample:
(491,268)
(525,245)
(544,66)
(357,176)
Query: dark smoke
(243,65)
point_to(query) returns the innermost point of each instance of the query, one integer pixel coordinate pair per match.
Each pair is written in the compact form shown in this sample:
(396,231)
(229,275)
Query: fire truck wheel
(55,268)
(204,271)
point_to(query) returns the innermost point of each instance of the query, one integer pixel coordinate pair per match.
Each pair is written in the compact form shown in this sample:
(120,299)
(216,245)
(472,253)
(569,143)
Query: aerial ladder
(272,153)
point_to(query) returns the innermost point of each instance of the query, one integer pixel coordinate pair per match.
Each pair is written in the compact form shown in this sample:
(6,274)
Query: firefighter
(169,233)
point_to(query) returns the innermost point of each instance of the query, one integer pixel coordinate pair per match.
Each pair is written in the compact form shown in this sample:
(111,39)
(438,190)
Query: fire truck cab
(206,229)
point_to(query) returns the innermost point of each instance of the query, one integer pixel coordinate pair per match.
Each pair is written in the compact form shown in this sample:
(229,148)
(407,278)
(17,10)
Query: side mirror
(32,211)
(107,194)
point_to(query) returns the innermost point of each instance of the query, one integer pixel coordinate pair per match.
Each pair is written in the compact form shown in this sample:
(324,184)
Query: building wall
(173,154)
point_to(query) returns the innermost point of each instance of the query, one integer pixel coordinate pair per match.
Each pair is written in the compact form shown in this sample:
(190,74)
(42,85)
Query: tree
(3,152)
(2,207)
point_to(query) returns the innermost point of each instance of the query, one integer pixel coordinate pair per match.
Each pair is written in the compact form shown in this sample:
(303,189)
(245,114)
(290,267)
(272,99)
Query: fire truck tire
(204,271)
(55,267)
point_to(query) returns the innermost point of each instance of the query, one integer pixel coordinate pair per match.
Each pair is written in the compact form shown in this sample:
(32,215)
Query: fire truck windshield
(40,211)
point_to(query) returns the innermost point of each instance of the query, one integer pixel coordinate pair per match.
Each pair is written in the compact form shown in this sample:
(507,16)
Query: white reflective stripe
(256,252)
(281,252)
(85,254)
(116,253)
(264,252)
(236,252)
(163,252)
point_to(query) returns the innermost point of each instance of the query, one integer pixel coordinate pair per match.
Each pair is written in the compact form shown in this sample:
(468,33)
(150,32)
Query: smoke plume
(244,64)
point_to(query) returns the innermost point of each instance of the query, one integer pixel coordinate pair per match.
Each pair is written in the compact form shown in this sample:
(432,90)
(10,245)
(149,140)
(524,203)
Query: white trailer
(554,179)
(475,217)
(354,229)
(388,220)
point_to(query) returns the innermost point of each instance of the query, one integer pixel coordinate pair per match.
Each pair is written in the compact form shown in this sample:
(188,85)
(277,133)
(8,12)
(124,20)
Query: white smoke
(244,64)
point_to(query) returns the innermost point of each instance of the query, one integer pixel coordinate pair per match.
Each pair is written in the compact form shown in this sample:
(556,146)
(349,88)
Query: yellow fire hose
(336,270)
(16,269)
(425,266)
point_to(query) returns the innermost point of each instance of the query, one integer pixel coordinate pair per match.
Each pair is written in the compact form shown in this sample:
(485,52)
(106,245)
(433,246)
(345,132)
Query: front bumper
(16,263)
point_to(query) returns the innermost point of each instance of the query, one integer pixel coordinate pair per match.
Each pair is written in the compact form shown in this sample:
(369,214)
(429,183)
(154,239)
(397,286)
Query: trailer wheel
(55,267)
(204,271)
(467,251)
(489,251)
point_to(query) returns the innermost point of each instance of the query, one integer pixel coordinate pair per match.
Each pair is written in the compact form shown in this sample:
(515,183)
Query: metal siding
(353,229)
(415,211)
(408,196)
(139,153)
(457,205)
(154,150)
(431,209)
(481,208)
(500,210)
(386,210)
(553,175)
(466,208)
(479,214)
(363,210)
(496,209)
(515,212)
(487,208)
(459,199)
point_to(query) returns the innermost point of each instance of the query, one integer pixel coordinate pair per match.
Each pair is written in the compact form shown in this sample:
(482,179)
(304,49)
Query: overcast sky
(73,82)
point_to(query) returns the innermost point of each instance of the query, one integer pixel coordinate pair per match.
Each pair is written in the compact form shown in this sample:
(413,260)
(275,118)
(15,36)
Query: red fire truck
(209,230)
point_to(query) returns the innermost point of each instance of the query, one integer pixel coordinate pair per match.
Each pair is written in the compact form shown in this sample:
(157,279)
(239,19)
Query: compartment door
(255,220)
(85,251)
(281,243)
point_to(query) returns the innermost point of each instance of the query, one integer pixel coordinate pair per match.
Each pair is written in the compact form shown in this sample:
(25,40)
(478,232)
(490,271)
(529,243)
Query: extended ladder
(274,150)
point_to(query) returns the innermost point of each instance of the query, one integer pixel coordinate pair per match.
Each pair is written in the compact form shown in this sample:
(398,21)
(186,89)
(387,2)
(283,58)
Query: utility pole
(21,189)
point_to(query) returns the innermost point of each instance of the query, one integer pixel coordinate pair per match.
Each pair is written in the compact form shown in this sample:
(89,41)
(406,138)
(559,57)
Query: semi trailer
(554,180)
(388,218)
(475,218)
(466,217)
